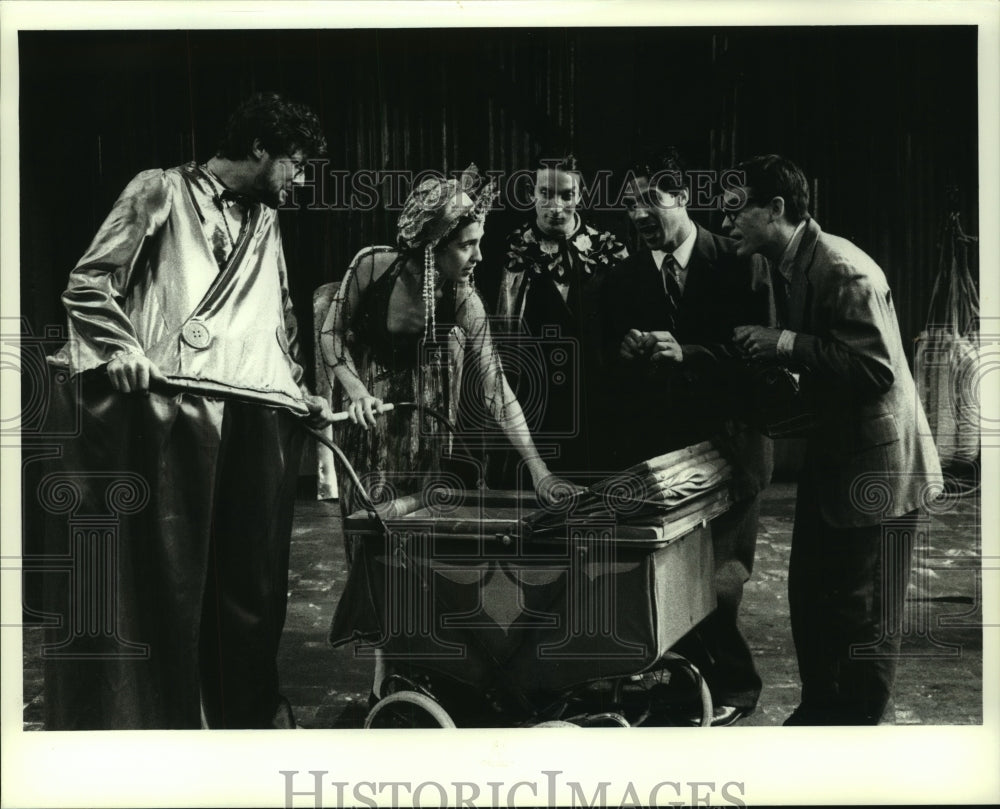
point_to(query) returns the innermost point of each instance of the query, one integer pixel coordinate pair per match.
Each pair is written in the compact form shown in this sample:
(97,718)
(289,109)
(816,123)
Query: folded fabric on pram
(655,486)
(671,460)
(674,488)
(681,467)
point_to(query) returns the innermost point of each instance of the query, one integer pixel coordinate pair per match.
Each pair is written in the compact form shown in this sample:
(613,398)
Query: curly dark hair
(281,126)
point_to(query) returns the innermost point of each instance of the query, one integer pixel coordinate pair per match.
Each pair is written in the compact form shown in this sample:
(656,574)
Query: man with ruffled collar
(551,291)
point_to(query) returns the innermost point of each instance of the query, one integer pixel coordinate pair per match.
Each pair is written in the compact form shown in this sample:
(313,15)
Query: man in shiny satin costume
(183,345)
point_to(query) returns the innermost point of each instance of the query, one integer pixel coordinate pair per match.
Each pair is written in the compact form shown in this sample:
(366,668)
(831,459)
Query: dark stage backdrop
(884,119)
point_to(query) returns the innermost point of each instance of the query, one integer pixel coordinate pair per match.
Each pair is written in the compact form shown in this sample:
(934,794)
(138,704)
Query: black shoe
(722,716)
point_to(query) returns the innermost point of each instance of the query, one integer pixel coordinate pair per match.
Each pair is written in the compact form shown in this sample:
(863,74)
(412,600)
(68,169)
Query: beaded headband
(436,205)
(431,212)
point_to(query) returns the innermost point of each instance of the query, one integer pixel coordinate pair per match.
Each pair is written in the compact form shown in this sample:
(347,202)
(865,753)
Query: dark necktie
(672,288)
(228,195)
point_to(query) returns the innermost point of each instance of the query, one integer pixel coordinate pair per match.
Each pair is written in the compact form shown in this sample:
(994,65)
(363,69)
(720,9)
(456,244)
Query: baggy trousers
(174,525)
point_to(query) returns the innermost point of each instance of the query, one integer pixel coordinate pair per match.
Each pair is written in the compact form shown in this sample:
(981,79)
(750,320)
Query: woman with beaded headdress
(404,323)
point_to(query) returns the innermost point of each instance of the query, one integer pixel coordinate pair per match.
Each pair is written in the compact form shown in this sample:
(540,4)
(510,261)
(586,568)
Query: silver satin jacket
(149,283)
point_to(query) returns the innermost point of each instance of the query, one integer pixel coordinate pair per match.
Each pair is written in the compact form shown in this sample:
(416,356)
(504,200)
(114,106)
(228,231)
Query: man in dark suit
(870,461)
(671,312)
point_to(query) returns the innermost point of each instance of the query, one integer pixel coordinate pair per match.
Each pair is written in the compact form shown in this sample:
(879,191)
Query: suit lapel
(798,293)
(699,266)
(652,281)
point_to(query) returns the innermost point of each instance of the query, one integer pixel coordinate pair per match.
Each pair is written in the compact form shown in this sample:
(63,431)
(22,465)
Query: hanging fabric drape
(946,360)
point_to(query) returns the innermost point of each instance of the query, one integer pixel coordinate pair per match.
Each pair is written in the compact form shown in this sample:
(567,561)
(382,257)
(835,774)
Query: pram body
(463,597)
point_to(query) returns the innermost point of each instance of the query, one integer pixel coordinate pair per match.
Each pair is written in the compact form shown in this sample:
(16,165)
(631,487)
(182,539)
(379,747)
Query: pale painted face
(750,225)
(459,257)
(659,216)
(557,195)
(277,176)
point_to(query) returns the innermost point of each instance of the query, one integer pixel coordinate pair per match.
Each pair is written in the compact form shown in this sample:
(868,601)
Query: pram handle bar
(172,387)
(343,415)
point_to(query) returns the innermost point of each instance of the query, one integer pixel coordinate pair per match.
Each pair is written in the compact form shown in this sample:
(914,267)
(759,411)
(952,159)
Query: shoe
(725,715)
(722,716)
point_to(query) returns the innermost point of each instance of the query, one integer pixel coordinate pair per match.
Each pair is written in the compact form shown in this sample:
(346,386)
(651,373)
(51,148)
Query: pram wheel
(604,720)
(408,709)
(673,694)
(700,684)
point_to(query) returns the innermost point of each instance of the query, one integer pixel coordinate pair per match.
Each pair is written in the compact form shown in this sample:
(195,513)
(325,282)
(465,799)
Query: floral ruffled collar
(529,248)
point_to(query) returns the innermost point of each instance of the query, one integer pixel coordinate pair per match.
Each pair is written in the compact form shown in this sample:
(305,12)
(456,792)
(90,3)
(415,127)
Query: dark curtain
(882,118)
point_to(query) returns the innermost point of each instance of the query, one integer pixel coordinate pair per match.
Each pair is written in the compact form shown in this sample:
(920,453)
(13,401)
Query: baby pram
(491,610)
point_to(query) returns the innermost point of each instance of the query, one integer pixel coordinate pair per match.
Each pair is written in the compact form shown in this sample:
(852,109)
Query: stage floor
(939,679)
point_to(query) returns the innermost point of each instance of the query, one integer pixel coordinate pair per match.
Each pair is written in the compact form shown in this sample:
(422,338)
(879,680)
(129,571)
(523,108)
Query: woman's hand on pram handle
(364,409)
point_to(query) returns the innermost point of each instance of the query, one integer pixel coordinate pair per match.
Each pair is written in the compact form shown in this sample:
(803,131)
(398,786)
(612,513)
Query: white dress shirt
(682,257)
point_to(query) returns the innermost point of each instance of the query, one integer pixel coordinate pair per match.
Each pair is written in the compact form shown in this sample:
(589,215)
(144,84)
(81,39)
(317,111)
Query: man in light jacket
(870,459)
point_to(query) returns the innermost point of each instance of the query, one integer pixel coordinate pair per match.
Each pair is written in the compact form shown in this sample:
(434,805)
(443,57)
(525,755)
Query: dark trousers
(169,562)
(246,587)
(717,646)
(846,594)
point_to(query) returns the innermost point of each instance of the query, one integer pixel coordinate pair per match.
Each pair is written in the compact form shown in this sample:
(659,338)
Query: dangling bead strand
(429,324)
